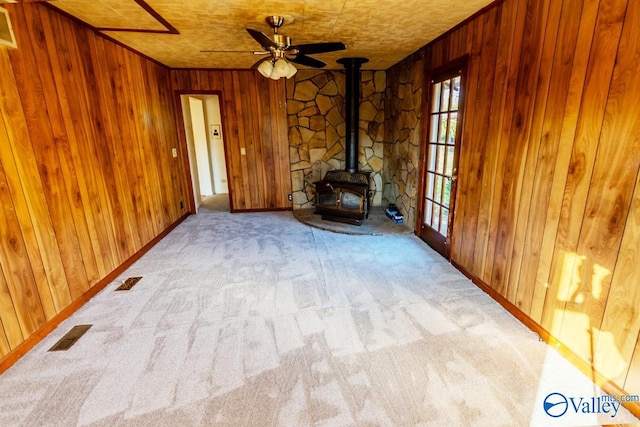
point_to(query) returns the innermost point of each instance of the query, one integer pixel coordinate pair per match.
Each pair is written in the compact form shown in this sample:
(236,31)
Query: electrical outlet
(290,197)
(174,152)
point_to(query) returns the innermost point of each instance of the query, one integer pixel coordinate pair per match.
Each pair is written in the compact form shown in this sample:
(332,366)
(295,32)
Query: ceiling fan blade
(261,38)
(311,48)
(307,60)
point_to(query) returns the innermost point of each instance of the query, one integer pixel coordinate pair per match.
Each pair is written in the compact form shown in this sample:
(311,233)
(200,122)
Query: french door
(440,156)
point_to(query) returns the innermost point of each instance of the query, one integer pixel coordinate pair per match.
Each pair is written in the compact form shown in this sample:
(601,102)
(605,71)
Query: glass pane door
(440,169)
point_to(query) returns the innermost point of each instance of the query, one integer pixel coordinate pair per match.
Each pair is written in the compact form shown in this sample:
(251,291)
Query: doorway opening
(205,144)
(441,148)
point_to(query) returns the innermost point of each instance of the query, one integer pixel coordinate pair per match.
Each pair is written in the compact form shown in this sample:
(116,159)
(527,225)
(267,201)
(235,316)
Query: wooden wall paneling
(265,159)
(153,145)
(572,327)
(278,179)
(32,94)
(549,136)
(519,144)
(492,159)
(521,292)
(245,140)
(131,87)
(503,140)
(632,382)
(610,216)
(621,320)
(4,343)
(569,128)
(81,97)
(108,208)
(258,108)
(475,143)
(14,260)
(67,145)
(112,150)
(46,267)
(27,191)
(11,332)
(240,184)
(169,137)
(468,149)
(54,96)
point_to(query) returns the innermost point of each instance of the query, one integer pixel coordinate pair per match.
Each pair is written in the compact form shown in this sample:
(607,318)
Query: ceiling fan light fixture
(266,68)
(292,70)
(281,68)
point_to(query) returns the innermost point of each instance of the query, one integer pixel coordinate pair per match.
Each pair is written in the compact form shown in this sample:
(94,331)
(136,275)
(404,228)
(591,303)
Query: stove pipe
(352,110)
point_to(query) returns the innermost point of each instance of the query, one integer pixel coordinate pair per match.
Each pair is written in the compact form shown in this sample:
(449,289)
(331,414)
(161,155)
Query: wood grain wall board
(632,382)
(71,159)
(14,260)
(8,313)
(235,134)
(83,269)
(81,90)
(612,209)
(519,145)
(492,159)
(124,151)
(621,318)
(32,95)
(549,145)
(245,135)
(519,291)
(100,134)
(4,343)
(468,145)
(43,276)
(114,150)
(27,193)
(503,141)
(569,126)
(583,158)
(475,134)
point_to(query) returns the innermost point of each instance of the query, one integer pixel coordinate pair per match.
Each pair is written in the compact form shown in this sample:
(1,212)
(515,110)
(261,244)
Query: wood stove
(343,196)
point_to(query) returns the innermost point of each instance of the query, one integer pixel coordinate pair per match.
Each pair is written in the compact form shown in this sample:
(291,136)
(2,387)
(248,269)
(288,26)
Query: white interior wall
(201,145)
(216,144)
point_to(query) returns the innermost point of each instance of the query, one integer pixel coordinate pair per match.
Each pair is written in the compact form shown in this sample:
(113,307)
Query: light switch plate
(174,151)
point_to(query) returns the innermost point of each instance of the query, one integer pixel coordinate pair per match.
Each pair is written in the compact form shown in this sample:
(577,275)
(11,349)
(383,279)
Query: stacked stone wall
(315,108)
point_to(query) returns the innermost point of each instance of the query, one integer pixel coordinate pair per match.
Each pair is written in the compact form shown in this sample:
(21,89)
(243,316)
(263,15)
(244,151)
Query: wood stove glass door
(441,158)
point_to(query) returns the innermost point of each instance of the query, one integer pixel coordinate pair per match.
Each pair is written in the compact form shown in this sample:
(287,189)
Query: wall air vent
(6,31)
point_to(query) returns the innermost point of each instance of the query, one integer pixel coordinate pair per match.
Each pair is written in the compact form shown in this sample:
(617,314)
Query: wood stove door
(439,169)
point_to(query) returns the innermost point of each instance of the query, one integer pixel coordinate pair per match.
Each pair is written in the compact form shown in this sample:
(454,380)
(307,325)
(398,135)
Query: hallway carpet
(256,319)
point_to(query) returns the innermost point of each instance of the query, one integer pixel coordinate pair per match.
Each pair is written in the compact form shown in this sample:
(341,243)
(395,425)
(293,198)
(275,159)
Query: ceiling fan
(281,51)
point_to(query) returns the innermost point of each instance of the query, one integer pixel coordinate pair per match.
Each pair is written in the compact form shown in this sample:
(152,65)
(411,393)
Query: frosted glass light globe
(265,68)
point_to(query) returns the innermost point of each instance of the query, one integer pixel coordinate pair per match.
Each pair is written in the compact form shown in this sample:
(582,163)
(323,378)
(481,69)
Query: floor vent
(70,338)
(128,284)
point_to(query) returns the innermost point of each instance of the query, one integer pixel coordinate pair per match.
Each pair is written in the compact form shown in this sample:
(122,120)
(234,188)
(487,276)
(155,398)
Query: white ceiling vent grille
(6,32)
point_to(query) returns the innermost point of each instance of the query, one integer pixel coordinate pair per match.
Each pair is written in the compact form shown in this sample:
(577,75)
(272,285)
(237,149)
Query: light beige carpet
(259,320)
